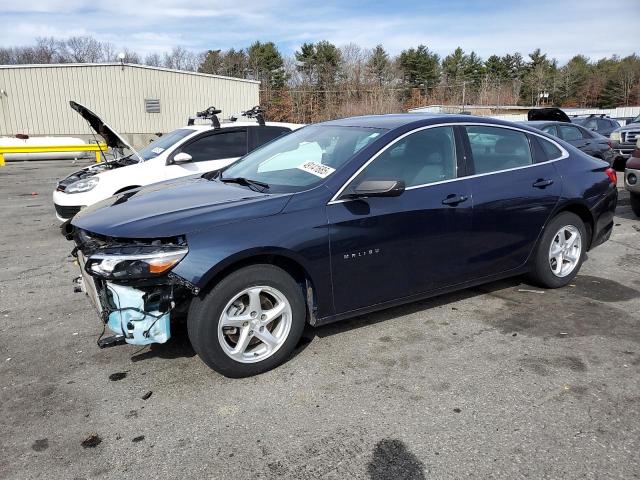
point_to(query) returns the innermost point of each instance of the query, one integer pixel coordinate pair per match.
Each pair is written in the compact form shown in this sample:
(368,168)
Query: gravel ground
(500,381)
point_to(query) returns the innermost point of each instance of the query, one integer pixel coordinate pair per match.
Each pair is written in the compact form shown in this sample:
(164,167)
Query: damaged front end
(131,285)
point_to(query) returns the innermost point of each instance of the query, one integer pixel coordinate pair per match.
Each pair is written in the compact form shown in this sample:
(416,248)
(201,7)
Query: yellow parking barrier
(87,147)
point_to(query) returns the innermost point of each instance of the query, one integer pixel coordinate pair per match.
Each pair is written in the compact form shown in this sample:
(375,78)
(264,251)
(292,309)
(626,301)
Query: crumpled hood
(175,208)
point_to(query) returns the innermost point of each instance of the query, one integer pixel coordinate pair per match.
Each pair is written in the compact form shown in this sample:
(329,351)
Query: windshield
(580,121)
(302,158)
(635,120)
(159,145)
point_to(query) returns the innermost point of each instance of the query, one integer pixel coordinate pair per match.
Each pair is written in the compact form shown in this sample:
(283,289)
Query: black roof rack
(589,115)
(210,113)
(256,112)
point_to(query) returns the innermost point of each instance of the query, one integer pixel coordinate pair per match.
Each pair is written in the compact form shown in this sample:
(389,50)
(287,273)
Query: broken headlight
(146,262)
(83,185)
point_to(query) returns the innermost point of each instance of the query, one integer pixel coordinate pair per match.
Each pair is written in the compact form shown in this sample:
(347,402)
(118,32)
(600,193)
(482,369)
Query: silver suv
(624,140)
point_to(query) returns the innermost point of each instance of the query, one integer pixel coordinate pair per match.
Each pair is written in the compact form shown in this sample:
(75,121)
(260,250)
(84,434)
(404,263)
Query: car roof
(397,120)
(543,123)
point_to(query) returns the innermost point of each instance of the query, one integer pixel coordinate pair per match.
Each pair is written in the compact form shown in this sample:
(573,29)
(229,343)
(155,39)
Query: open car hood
(111,138)
(548,114)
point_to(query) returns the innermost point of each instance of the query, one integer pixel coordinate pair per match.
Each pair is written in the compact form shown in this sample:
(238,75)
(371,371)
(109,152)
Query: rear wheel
(249,323)
(635,203)
(560,252)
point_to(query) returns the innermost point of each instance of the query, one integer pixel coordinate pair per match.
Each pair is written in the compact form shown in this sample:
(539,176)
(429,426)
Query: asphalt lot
(501,381)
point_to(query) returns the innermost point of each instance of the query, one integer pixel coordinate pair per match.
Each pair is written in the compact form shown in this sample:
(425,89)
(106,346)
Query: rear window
(570,133)
(495,148)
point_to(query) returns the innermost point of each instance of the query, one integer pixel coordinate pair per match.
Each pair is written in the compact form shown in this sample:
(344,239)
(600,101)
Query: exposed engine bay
(92,170)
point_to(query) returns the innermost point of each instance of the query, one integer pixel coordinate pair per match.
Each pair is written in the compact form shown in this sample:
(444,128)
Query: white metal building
(138,101)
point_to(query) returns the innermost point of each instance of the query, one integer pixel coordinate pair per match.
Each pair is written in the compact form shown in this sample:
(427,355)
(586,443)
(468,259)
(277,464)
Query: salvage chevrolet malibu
(335,220)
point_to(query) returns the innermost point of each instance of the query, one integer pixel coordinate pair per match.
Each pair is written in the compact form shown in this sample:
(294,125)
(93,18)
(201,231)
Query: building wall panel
(37,97)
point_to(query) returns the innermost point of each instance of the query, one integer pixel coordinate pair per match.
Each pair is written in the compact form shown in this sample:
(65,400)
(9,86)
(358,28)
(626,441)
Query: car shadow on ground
(178,346)
(411,308)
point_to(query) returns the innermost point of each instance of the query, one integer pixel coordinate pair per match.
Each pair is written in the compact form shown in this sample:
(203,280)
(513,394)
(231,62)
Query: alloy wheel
(254,324)
(565,251)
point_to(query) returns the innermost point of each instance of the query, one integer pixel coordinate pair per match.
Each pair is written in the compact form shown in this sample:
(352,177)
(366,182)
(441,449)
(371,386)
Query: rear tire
(619,164)
(250,322)
(561,251)
(635,203)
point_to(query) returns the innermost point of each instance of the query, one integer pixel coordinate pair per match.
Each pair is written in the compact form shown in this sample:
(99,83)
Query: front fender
(300,237)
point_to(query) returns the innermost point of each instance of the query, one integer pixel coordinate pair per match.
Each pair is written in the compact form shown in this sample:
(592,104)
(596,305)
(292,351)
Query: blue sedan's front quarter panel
(299,233)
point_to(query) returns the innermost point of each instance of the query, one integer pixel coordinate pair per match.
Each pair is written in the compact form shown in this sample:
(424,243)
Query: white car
(186,151)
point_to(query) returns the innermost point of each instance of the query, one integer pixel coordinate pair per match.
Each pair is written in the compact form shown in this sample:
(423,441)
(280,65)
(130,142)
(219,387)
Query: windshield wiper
(244,181)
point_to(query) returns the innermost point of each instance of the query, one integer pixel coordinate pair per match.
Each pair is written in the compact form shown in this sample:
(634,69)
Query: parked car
(555,122)
(632,179)
(336,220)
(624,141)
(186,151)
(596,123)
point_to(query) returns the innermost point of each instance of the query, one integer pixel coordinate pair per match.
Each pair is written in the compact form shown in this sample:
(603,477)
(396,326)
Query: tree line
(322,80)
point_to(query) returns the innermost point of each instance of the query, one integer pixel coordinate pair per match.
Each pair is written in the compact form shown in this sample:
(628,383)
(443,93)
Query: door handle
(541,183)
(454,199)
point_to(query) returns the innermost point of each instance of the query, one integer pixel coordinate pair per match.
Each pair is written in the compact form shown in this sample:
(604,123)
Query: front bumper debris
(139,311)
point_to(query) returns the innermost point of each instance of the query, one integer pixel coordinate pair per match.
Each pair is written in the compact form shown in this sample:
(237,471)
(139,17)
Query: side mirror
(378,188)
(182,157)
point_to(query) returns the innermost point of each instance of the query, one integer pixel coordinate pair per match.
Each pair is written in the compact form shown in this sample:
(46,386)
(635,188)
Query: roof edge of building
(117,64)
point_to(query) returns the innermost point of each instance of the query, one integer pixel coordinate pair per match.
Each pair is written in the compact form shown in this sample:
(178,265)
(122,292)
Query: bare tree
(84,50)
(6,56)
(109,52)
(153,60)
(50,50)
(181,59)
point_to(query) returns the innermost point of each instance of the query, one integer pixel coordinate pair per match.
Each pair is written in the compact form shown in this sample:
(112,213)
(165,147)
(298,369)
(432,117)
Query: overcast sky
(560,28)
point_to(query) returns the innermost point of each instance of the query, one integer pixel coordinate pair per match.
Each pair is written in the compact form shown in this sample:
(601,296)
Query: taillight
(613,176)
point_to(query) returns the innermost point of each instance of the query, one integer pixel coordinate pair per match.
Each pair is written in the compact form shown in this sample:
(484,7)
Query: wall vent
(152,105)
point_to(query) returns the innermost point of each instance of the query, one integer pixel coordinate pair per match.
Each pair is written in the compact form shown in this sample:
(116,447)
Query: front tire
(635,203)
(561,251)
(250,322)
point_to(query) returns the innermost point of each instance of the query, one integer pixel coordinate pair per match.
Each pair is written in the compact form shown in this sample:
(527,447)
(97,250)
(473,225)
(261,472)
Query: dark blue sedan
(335,220)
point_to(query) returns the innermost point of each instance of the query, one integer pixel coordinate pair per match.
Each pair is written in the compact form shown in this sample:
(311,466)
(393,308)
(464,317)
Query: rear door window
(495,148)
(569,133)
(216,146)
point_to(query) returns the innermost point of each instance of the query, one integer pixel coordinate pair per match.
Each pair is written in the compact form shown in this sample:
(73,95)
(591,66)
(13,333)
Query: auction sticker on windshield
(317,169)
